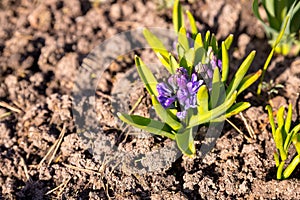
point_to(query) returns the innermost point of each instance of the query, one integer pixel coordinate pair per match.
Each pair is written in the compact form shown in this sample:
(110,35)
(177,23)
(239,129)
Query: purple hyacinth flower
(180,88)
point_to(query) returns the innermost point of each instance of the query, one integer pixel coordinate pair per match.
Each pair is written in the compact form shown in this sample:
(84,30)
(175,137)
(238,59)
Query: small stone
(115,12)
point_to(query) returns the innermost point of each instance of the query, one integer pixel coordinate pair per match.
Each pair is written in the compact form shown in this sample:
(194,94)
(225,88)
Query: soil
(43,154)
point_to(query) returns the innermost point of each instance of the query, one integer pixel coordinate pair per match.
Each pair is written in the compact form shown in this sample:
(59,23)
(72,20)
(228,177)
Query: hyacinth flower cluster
(284,136)
(180,89)
(197,91)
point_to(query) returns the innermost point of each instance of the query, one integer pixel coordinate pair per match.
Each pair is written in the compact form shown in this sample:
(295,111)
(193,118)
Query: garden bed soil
(44,43)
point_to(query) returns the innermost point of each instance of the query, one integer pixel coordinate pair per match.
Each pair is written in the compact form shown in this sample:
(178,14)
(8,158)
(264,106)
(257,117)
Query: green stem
(279,170)
(266,65)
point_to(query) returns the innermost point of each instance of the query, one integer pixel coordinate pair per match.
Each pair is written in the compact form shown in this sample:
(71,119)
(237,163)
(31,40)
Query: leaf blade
(185,142)
(150,125)
(239,75)
(146,76)
(164,115)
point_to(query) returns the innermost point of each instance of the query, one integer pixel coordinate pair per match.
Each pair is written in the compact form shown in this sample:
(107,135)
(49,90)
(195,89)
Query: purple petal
(172,82)
(187,104)
(209,73)
(193,101)
(196,87)
(194,77)
(166,102)
(170,101)
(181,81)
(163,89)
(182,95)
(189,86)
(181,115)
(182,70)
(213,64)
(220,64)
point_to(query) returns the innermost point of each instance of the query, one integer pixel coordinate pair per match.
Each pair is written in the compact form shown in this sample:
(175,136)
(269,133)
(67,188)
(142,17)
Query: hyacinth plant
(279,37)
(284,136)
(282,28)
(197,91)
(276,11)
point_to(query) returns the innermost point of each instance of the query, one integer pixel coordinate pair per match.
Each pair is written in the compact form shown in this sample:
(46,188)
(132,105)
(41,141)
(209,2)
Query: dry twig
(238,130)
(25,169)
(6,105)
(53,149)
(63,187)
(248,127)
(89,171)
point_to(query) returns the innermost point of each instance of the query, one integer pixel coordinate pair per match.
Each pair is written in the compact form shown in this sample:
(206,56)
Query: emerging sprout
(284,136)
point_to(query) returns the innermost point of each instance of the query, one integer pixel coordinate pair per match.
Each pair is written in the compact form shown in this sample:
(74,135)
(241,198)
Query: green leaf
(283,28)
(216,91)
(255,9)
(266,65)
(228,41)
(199,55)
(290,137)
(291,167)
(165,116)
(182,39)
(180,51)
(269,6)
(164,62)
(295,25)
(225,63)
(198,42)
(280,116)
(207,40)
(185,142)
(159,48)
(276,158)
(194,29)
(155,43)
(150,125)
(173,64)
(296,129)
(237,108)
(173,112)
(279,143)
(264,71)
(279,170)
(178,20)
(147,77)
(248,81)
(296,141)
(214,44)
(271,119)
(288,120)
(202,100)
(271,11)
(239,75)
(212,114)
(189,58)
